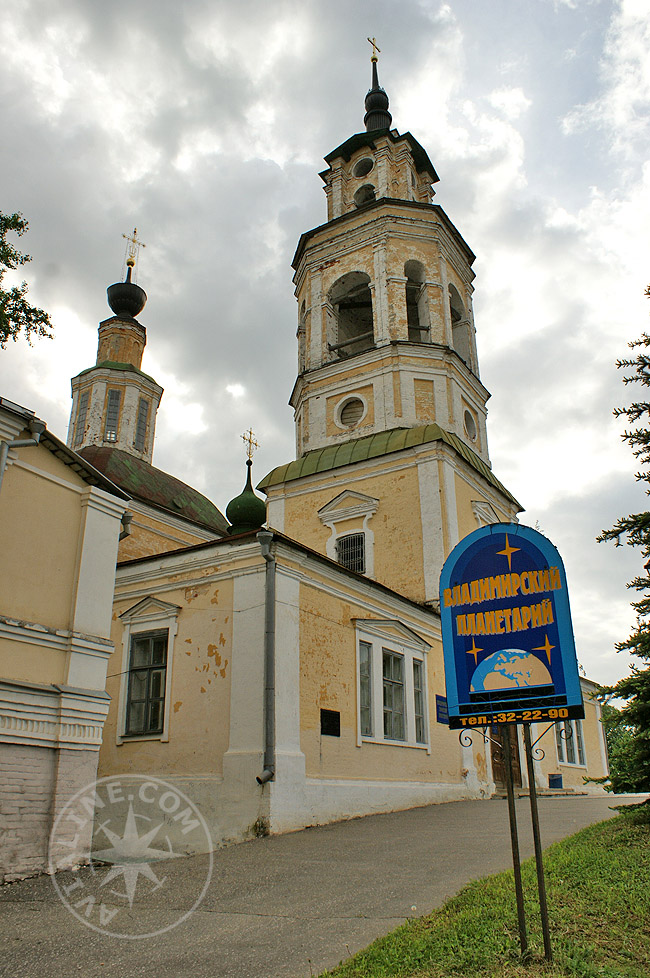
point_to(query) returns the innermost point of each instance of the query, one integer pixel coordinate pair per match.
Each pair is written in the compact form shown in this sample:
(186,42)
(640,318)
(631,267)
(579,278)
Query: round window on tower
(470,425)
(364,195)
(363,167)
(351,412)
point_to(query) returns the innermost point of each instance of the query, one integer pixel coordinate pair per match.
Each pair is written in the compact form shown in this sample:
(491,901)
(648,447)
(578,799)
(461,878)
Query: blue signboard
(442,713)
(506,630)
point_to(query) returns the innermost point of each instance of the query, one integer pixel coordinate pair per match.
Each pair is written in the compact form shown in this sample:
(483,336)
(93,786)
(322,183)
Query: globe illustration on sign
(509,669)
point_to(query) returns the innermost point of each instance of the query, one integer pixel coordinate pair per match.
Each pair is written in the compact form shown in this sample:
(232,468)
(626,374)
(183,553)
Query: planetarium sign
(506,629)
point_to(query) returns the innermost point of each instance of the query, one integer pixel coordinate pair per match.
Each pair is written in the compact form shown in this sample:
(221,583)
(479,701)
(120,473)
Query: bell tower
(114,403)
(386,331)
(392,465)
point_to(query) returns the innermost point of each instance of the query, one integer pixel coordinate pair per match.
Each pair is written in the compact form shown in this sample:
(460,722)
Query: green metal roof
(153,486)
(115,365)
(375,446)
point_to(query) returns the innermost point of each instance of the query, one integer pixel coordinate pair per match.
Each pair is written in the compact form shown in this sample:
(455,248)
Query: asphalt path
(282,907)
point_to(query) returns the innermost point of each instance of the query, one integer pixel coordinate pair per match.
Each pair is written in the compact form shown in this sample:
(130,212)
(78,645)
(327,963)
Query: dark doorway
(498,765)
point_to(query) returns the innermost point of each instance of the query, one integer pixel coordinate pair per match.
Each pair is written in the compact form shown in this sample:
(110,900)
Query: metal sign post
(509,656)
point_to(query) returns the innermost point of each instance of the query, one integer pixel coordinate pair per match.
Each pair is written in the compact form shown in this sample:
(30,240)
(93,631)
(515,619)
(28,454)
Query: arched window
(302,339)
(460,328)
(350,302)
(417,312)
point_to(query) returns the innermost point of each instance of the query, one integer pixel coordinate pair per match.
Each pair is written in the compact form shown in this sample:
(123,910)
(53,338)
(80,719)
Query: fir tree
(635,687)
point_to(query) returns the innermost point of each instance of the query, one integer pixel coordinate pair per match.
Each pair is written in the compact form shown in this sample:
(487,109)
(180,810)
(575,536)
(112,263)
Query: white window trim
(357,506)
(394,637)
(351,396)
(150,614)
(566,762)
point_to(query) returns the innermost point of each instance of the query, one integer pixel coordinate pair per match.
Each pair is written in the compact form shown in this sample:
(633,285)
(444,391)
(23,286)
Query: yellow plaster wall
(331,404)
(398,543)
(152,536)
(424,401)
(200,692)
(465,496)
(122,344)
(42,665)
(328,680)
(40,520)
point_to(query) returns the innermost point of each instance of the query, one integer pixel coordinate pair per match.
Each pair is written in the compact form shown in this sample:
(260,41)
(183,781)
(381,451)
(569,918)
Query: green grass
(598,890)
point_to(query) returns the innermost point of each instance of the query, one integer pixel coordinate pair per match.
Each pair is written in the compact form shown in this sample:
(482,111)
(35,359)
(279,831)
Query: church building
(284,667)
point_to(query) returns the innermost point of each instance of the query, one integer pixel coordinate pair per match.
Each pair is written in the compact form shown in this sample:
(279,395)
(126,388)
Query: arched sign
(506,630)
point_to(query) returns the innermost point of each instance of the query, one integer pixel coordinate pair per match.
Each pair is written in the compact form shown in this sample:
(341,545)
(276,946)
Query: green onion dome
(247,511)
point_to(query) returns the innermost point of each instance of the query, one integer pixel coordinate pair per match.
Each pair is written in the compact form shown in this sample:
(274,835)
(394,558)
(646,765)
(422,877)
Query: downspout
(36,427)
(265,538)
(126,525)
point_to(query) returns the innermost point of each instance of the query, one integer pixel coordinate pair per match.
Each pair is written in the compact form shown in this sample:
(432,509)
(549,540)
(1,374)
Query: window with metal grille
(393,683)
(141,424)
(112,415)
(418,701)
(145,708)
(365,688)
(350,552)
(82,411)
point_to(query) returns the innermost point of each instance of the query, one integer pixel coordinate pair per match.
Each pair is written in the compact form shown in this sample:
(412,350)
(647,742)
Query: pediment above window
(346,505)
(392,629)
(484,514)
(150,608)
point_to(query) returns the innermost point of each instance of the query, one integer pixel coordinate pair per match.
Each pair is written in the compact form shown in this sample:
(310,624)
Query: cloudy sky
(205,122)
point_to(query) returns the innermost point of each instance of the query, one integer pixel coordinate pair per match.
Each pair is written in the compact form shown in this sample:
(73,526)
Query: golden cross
(251,444)
(375,49)
(133,247)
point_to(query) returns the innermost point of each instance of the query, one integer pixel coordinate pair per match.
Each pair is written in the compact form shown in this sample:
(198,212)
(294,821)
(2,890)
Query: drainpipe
(126,525)
(265,538)
(36,427)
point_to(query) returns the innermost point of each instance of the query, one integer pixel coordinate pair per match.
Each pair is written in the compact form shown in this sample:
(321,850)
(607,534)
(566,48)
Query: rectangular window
(112,415)
(365,688)
(82,411)
(350,552)
(580,746)
(393,685)
(570,742)
(141,424)
(145,708)
(418,700)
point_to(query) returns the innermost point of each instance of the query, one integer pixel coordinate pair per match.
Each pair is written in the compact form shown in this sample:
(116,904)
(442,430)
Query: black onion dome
(247,511)
(377,115)
(126,298)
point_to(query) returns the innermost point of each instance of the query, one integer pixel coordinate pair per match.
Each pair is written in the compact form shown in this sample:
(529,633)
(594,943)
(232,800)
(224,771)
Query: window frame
(141,425)
(381,637)
(150,615)
(577,742)
(111,431)
(147,672)
(82,413)
(358,535)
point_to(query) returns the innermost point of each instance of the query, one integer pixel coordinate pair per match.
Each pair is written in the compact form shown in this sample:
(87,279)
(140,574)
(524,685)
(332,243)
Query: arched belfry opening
(460,327)
(350,308)
(417,311)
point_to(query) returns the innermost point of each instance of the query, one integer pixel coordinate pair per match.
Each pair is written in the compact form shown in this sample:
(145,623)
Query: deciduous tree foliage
(17,316)
(635,687)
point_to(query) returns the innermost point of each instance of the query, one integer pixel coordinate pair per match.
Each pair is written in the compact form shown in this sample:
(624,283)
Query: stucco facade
(59,527)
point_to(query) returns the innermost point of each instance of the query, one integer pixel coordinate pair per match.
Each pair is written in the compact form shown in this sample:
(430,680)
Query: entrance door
(498,764)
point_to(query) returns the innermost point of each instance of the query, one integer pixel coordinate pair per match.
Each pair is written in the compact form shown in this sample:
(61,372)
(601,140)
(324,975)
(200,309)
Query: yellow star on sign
(546,647)
(508,552)
(474,651)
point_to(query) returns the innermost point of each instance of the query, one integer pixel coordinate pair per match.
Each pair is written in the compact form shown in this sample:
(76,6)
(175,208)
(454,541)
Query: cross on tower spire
(251,443)
(133,247)
(375,49)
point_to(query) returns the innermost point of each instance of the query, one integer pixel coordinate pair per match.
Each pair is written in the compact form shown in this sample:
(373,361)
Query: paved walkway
(287,906)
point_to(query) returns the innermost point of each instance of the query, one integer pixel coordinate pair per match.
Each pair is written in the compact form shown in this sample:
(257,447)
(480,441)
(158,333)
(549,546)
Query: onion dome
(377,115)
(247,511)
(126,298)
